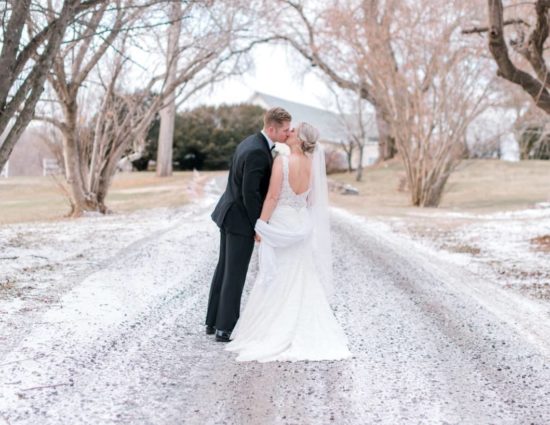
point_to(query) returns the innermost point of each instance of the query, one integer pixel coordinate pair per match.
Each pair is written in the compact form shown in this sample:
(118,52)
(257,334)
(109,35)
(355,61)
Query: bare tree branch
(484,29)
(506,68)
(17,102)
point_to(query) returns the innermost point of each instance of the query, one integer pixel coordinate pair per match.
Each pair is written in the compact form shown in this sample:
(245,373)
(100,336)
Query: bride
(288,316)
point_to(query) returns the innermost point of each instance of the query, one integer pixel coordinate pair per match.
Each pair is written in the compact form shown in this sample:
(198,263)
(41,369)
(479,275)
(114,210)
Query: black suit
(236,214)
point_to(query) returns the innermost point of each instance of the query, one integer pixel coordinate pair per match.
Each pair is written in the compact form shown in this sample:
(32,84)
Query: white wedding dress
(288,316)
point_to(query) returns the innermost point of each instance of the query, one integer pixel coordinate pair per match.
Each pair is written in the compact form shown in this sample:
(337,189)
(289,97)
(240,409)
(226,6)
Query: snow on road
(124,341)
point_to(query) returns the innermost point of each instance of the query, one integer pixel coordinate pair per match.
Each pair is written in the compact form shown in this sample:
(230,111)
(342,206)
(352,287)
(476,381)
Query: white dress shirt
(269,141)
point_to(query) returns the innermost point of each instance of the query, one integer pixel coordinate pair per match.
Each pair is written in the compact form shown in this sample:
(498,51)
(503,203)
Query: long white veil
(319,210)
(318,228)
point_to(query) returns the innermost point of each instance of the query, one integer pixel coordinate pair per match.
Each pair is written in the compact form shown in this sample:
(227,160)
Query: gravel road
(432,344)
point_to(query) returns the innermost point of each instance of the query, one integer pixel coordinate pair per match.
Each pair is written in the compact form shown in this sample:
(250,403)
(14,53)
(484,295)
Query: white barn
(331,125)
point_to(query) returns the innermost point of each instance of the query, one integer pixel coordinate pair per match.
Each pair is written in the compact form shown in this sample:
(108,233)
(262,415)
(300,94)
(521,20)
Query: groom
(236,214)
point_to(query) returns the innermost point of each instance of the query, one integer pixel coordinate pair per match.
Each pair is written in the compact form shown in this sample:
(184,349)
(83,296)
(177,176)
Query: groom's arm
(255,167)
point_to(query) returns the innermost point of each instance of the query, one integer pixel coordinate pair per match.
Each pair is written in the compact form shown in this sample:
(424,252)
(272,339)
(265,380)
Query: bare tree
(526,66)
(409,61)
(433,93)
(206,42)
(25,63)
(348,146)
(530,33)
(359,126)
(517,35)
(120,126)
(94,142)
(356,121)
(336,39)
(91,37)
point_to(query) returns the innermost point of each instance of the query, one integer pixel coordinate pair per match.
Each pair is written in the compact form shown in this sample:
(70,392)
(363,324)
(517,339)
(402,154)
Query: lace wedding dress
(288,316)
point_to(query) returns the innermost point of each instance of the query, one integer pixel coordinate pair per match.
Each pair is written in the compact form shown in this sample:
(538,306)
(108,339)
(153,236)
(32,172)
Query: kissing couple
(276,195)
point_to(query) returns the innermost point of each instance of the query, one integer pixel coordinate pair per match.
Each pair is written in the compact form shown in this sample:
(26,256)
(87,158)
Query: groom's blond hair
(276,117)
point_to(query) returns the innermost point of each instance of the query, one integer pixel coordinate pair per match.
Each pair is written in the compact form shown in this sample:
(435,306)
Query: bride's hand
(257,237)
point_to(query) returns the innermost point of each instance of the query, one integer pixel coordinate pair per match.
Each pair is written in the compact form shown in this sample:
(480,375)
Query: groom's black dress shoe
(210,330)
(222,336)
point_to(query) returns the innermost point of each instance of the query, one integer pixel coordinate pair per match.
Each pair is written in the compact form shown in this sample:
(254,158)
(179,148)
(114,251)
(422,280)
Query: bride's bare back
(299,172)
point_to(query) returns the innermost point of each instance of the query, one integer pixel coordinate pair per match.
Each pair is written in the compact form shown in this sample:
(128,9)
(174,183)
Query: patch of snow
(498,245)
(528,316)
(123,341)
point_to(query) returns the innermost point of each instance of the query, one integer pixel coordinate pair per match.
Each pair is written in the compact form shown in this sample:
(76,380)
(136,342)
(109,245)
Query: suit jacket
(249,173)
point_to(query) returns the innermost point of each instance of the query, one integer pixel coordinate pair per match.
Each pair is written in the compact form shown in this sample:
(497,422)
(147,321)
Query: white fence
(50,166)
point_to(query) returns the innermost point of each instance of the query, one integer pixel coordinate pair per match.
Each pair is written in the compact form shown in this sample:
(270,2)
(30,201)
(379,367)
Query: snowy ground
(101,322)
(512,248)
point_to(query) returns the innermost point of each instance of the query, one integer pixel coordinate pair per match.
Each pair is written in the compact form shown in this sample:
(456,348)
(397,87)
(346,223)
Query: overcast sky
(277,73)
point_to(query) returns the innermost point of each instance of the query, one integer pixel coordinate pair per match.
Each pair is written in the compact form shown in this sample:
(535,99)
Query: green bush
(534,143)
(205,137)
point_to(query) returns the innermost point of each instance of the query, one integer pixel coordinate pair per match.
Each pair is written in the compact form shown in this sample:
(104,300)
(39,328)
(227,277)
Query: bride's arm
(274,190)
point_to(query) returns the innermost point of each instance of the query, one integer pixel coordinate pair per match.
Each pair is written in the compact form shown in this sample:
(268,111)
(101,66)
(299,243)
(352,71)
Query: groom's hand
(257,238)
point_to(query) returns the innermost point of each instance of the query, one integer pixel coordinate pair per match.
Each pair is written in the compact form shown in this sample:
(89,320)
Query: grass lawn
(40,198)
(476,186)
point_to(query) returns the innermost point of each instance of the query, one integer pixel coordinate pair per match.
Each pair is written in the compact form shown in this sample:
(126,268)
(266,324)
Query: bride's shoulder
(278,162)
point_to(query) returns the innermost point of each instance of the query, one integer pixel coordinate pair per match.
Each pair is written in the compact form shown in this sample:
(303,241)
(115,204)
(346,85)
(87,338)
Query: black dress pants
(224,302)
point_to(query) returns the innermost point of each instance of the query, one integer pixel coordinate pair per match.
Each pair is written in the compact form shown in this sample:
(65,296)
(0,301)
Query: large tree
(527,67)
(91,38)
(409,60)
(26,60)
(338,38)
(517,38)
(216,32)
(208,51)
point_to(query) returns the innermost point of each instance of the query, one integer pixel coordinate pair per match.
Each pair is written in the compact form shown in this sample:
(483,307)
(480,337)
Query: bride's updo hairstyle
(309,136)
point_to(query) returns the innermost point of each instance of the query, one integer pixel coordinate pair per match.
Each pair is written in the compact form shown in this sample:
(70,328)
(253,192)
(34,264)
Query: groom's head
(277,124)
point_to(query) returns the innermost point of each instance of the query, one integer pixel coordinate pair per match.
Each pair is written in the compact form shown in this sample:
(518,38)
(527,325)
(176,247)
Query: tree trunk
(536,88)
(348,149)
(386,142)
(33,86)
(168,113)
(80,202)
(166,138)
(105,178)
(359,171)
(432,192)
(427,184)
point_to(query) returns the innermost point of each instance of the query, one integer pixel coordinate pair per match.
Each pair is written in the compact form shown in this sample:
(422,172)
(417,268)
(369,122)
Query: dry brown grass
(476,186)
(541,243)
(25,199)
(537,290)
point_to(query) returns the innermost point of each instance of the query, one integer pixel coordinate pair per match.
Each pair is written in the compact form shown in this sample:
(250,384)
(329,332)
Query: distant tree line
(205,137)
